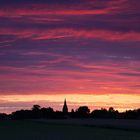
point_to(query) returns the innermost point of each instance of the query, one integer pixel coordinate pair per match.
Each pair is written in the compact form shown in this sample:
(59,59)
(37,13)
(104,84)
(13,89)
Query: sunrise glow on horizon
(119,102)
(87,51)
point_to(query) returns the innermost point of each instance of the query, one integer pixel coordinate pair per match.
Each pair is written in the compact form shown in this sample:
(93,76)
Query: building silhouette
(65,108)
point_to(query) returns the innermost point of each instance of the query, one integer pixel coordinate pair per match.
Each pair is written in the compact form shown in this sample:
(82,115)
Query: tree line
(82,112)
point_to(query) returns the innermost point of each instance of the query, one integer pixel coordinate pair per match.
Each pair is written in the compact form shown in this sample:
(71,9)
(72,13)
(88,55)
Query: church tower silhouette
(65,108)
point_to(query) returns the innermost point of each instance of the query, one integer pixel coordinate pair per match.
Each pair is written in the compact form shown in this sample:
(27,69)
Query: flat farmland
(67,130)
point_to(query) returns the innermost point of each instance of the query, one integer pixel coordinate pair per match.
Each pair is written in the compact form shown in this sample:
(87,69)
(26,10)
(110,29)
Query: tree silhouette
(3,116)
(103,113)
(111,109)
(36,107)
(36,112)
(83,111)
(47,112)
(112,113)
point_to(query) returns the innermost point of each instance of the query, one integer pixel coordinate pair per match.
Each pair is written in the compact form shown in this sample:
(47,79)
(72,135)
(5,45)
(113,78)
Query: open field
(124,124)
(58,130)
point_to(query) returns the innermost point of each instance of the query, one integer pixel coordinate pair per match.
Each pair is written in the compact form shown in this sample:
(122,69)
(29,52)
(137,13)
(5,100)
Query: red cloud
(86,8)
(99,79)
(45,34)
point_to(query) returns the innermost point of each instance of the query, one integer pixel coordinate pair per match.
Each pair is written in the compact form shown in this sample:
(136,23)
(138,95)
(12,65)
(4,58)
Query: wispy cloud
(69,46)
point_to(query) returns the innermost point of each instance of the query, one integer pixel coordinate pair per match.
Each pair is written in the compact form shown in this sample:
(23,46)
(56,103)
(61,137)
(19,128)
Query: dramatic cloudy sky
(85,50)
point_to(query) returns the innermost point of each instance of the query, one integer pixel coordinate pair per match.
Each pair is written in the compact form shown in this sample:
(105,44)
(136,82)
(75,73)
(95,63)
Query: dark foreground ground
(68,130)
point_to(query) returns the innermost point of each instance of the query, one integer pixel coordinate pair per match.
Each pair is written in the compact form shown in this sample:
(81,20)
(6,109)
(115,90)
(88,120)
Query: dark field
(67,130)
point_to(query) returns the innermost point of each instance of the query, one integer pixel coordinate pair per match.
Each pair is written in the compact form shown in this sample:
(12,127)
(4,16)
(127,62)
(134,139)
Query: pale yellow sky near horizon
(120,102)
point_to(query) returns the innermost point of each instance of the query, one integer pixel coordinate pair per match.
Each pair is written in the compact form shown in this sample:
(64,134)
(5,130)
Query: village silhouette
(82,112)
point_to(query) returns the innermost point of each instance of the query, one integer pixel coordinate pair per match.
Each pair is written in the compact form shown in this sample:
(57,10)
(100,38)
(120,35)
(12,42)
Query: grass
(29,130)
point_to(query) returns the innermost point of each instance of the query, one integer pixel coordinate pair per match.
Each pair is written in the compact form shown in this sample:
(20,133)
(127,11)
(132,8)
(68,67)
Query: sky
(87,51)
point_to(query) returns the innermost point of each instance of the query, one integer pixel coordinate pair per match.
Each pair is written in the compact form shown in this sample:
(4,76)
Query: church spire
(65,108)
